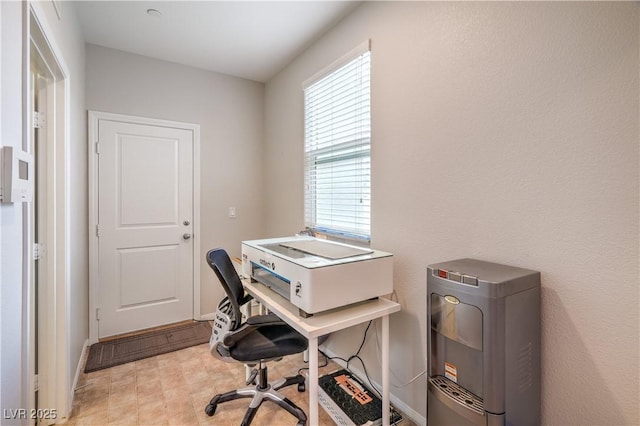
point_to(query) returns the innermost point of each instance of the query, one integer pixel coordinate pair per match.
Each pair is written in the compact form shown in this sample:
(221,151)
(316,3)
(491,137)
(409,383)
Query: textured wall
(506,132)
(67,41)
(230,113)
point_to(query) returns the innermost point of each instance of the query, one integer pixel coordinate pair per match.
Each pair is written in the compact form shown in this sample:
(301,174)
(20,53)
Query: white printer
(316,274)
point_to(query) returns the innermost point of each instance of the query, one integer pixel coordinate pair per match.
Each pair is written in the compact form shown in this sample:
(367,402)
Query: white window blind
(337,108)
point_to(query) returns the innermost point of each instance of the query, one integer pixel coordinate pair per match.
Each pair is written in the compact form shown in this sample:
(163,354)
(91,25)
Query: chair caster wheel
(210,410)
(301,387)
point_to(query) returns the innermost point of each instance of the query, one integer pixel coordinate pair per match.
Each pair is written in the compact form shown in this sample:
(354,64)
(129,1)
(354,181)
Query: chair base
(261,392)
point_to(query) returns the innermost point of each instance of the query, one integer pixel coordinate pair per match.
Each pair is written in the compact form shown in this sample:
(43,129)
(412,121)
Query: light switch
(232,212)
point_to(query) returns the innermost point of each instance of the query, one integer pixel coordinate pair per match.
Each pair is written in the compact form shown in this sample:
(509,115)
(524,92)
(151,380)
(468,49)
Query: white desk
(327,322)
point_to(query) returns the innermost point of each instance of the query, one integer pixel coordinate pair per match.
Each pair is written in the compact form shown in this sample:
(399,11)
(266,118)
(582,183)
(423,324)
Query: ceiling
(252,40)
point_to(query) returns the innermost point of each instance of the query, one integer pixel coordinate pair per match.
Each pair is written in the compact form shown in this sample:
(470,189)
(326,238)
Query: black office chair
(259,339)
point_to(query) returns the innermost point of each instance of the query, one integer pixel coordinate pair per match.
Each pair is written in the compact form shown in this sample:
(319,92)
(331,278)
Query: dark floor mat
(127,349)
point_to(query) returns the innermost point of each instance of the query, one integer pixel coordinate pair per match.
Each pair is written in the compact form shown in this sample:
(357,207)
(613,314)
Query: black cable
(347,361)
(393,410)
(332,357)
(364,338)
(326,362)
(364,367)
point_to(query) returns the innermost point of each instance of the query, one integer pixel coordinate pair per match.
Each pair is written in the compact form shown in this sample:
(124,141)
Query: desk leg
(385,371)
(312,385)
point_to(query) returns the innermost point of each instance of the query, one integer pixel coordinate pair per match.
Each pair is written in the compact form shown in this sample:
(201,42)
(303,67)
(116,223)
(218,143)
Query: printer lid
(313,252)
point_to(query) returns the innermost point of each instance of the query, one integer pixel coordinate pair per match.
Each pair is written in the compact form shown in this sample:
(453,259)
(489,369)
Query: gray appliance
(483,344)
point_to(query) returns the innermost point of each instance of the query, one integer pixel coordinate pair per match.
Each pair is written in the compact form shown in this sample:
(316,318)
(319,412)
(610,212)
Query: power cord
(364,338)
(351,358)
(364,367)
(326,362)
(424,372)
(394,412)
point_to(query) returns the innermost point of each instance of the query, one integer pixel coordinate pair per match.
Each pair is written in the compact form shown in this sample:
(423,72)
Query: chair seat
(268,342)
(261,338)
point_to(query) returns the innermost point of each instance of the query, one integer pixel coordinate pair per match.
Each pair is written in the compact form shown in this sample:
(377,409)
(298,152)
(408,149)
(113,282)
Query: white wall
(64,34)
(12,362)
(506,132)
(230,113)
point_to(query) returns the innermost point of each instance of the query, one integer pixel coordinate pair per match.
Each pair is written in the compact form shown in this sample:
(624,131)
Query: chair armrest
(269,319)
(252,324)
(233,337)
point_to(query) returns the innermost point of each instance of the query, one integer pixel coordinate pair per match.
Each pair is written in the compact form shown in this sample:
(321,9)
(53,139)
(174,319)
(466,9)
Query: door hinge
(97,148)
(97,230)
(98,314)
(38,251)
(36,383)
(38,120)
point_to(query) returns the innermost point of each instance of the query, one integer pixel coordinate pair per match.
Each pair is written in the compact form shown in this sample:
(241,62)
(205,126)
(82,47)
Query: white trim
(29,308)
(196,223)
(58,213)
(92,188)
(1,222)
(208,317)
(363,47)
(79,369)
(63,267)
(56,7)
(93,119)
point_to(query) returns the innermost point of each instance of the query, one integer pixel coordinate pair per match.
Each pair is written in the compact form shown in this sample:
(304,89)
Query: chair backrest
(219,261)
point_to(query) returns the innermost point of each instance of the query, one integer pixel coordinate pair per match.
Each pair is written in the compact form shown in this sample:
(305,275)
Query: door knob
(186,236)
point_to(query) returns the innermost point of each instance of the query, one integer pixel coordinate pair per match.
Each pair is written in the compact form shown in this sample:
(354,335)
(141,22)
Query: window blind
(337,107)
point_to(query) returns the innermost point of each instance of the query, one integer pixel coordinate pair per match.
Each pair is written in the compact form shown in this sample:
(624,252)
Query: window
(337,122)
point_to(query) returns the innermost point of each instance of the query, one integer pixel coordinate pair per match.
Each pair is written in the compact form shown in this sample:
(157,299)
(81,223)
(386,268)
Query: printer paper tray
(271,280)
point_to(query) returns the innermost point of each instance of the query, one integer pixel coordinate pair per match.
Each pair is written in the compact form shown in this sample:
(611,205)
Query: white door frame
(94,117)
(43,83)
(58,385)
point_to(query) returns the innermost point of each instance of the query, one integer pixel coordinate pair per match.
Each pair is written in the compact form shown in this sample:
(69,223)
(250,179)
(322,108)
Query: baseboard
(79,369)
(415,417)
(208,317)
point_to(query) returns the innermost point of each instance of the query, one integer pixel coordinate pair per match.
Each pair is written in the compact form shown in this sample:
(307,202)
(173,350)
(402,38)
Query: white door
(145,216)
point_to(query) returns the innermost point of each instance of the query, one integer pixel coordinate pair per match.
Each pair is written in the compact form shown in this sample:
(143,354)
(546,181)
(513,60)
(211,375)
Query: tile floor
(174,388)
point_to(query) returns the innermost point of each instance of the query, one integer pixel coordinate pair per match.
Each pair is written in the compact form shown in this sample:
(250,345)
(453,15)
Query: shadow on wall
(581,396)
